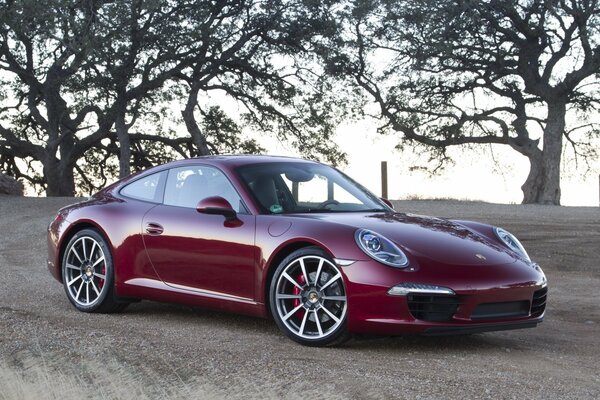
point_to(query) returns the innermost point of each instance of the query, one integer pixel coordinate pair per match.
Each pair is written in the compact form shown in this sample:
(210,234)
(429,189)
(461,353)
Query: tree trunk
(535,180)
(59,178)
(124,142)
(543,182)
(198,137)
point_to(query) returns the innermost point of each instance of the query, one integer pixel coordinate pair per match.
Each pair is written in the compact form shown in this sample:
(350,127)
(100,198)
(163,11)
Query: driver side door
(201,252)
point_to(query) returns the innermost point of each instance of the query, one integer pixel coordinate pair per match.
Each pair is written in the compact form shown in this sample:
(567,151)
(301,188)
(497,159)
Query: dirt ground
(158,350)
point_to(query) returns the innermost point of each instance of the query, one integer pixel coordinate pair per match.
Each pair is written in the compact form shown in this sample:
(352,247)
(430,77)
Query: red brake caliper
(297,291)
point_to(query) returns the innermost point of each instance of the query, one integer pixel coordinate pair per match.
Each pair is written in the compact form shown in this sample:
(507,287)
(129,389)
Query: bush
(10,186)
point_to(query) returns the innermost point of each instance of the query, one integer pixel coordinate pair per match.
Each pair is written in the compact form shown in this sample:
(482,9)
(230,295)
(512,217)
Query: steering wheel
(327,203)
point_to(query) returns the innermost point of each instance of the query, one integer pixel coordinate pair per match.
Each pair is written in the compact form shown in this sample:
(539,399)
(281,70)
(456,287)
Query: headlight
(380,248)
(512,242)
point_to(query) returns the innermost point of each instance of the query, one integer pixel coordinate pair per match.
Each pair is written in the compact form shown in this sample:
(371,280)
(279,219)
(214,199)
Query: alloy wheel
(310,297)
(85,271)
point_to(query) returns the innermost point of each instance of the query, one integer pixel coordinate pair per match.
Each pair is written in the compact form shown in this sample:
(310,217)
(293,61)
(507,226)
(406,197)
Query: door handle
(153,228)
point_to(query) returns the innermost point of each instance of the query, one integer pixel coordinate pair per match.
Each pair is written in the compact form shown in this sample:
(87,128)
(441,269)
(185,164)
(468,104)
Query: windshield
(298,187)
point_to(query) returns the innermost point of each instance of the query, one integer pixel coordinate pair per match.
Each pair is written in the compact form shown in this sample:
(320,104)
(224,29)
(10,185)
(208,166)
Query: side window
(145,188)
(186,186)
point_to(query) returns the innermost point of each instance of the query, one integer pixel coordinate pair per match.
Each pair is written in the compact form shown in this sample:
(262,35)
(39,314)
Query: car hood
(436,239)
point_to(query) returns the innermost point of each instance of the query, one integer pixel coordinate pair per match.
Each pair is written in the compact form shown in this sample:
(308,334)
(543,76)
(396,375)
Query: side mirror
(389,203)
(216,205)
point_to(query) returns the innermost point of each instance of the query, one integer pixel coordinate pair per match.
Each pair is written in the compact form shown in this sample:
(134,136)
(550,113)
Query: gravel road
(155,350)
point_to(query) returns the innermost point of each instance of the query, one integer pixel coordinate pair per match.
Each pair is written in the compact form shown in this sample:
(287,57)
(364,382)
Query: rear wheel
(308,299)
(88,273)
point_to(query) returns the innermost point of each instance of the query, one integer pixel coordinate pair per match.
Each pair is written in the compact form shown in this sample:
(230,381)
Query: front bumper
(488,301)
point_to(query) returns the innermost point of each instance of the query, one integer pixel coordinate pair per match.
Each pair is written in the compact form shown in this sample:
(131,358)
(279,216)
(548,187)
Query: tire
(88,274)
(308,298)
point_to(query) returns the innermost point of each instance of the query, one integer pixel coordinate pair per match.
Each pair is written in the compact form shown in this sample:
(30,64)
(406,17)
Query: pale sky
(472,177)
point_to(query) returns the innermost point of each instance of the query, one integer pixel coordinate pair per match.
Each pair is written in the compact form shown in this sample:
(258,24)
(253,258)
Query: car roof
(236,160)
(227,162)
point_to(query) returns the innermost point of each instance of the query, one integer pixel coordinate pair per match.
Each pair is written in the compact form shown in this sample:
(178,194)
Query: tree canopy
(467,72)
(95,89)
(89,88)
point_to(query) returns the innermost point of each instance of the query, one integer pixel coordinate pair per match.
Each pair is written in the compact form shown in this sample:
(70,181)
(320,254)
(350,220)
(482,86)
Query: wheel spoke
(72,281)
(71,266)
(95,288)
(98,261)
(100,275)
(79,290)
(289,278)
(334,298)
(288,315)
(333,317)
(94,245)
(87,292)
(303,323)
(303,268)
(85,257)
(329,282)
(318,322)
(74,251)
(321,261)
(282,296)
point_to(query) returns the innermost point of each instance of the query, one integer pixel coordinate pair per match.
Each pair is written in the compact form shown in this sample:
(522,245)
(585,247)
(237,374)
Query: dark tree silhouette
(10,186)
(480,72)
(41,50)
(90,82)
(260,55)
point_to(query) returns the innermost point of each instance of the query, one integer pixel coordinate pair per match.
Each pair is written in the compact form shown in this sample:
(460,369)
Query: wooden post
(384,180)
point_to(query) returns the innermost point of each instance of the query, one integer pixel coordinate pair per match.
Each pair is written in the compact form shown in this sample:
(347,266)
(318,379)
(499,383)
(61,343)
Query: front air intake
(538,303)
(501,310)
(434,308)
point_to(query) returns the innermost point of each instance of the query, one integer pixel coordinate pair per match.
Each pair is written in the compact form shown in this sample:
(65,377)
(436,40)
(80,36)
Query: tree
(264,63)
(41,50)
(137,57)
(86,82)
(10,186)
(474,72)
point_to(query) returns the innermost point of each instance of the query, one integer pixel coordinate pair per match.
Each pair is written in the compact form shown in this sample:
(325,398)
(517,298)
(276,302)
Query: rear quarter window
(147,188)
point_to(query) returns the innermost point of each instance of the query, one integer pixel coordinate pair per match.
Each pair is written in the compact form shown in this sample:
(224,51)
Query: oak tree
(89,82)
(443,73)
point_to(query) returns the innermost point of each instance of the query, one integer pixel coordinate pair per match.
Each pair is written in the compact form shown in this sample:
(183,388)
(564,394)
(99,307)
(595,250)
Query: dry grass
(33,378)
(420,197)
(35,383)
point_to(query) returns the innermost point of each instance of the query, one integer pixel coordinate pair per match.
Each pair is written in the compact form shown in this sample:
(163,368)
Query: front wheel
(308,299)
(88,273)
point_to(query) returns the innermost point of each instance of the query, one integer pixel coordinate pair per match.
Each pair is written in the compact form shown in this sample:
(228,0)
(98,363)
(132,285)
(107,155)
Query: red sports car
(293,239)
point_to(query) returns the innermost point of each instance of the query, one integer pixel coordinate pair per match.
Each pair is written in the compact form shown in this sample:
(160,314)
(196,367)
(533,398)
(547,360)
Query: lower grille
(501,310)
(538,303)
(432,308)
